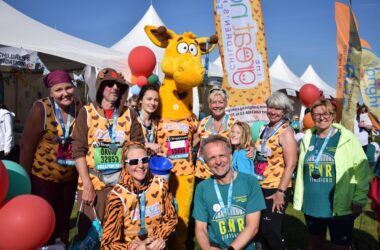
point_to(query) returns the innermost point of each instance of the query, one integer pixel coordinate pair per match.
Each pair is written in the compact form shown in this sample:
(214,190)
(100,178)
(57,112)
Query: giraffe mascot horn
(183,69)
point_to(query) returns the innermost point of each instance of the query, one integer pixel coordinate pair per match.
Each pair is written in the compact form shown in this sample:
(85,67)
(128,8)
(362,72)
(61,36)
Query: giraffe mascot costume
(183,69)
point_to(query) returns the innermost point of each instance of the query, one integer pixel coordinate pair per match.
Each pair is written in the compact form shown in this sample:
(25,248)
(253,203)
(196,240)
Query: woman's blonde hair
(326,103)
(217,91)
(245,138)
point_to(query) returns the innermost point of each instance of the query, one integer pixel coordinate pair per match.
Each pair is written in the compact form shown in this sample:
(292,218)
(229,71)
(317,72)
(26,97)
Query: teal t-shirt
(319,193)
(247,198)
(241,163)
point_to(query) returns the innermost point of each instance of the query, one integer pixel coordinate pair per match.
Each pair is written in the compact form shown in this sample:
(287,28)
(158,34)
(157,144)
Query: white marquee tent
(310,76)
(42,38)
(281,77)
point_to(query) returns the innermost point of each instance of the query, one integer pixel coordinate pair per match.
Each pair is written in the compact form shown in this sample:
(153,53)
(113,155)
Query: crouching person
(139,213)
(226,206)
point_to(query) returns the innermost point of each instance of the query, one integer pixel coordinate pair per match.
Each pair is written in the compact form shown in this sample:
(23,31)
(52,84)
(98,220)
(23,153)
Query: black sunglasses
(218,89)
(143,160)
(110,84)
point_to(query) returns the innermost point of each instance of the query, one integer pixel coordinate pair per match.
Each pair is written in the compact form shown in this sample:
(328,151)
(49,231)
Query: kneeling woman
(140,211)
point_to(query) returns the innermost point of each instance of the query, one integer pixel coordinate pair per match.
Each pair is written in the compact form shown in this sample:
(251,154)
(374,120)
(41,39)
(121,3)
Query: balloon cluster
(309,94)
(21,214)
(141,61)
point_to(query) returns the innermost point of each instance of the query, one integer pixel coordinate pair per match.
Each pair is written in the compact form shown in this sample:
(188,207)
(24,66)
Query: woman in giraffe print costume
(46,149)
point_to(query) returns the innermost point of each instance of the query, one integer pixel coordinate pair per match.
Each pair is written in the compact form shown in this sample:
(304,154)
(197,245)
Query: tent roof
(310,76)
(280,71)
(50,41)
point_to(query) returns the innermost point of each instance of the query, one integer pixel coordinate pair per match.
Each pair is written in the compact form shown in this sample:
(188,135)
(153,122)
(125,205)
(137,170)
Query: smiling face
(235,134)
(218,158)
(274,114)
(63,94)
(149,102)
(139,171)
(322,117)
(217,105)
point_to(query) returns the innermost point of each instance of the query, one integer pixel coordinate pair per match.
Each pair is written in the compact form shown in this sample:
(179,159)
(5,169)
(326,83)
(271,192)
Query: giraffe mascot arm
(183,69)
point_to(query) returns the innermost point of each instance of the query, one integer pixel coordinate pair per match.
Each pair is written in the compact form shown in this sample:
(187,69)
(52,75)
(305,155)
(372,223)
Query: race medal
(113,147)
(315,175)
(311,148)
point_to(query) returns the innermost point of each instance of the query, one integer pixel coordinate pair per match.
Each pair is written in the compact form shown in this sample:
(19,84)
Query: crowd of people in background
(242,187)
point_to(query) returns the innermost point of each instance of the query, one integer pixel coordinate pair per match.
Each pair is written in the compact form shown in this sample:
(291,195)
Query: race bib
(64,157)
(105,157)
(260,169)
(177,147)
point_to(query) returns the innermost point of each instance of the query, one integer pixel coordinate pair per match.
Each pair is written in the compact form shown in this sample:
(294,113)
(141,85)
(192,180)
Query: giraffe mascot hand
(183,69)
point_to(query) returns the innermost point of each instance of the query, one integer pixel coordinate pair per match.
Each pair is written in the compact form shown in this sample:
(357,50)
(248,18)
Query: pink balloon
(26,222)
(4,182)
(141,81)
(309,94)
(142,61)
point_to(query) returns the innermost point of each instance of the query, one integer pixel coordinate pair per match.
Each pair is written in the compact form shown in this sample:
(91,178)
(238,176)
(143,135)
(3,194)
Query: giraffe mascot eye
(182,48)
(193,49)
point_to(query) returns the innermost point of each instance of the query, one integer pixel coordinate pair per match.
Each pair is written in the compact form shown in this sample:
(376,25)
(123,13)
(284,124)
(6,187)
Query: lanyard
(142,205)
(213,125)
(265,137)
(65,128)
(317,155)
(148,132)
(226,212)
(112,130)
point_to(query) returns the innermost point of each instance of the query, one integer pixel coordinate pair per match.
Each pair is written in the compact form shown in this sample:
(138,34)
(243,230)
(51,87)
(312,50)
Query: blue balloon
(255,129)
(135,90)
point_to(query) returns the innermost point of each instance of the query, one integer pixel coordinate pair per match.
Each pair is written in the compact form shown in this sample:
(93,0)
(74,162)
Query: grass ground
(365,231)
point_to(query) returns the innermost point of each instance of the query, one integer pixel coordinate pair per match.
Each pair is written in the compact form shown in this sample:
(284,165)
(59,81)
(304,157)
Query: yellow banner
(370,81)
(240,29)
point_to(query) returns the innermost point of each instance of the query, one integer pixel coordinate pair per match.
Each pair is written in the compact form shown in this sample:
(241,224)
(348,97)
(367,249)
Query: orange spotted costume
(93,142)
(202,171)
(183,69)
(122,218)
(276,163)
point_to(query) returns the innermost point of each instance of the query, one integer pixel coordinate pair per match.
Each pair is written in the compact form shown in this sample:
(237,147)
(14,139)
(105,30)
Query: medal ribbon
(112,130)
(148,132)
(265,137)
(142,214)
(226,211)
(65,128)
(317,155)
(225,117)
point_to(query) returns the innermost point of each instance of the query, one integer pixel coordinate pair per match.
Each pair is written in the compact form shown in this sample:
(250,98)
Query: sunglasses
(110,84)
(143,160)
(218,89)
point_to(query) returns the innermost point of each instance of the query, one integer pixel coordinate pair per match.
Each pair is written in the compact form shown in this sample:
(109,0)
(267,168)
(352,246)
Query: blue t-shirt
(319,193)
(241,163)
(247,198)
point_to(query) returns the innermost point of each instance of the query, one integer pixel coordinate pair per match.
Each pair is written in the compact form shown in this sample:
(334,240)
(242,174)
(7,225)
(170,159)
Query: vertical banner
(240,29)
(349,71)
(370,81)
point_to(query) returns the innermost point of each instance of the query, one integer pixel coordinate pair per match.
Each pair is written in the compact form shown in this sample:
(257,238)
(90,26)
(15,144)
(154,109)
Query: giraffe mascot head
(182,66)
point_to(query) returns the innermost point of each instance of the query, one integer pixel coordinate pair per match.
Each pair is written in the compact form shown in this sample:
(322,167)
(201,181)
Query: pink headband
(55,77)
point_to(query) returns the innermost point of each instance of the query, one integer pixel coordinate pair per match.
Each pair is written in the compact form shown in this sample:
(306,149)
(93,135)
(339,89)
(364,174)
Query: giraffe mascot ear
(213,40)
(160,36)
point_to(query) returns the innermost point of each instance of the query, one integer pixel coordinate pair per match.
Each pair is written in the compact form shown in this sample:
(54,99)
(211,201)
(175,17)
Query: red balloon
(4,182)
(141,81)
(309,94)
(142,61)
(26,222)
(307,121)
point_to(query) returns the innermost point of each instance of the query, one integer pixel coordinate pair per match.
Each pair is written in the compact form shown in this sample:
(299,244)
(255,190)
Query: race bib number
(64,157)
(105,158)
(260,169)
(177,147)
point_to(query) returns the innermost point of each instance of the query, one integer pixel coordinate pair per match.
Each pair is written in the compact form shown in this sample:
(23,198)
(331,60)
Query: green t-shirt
(247,198)
(319,193)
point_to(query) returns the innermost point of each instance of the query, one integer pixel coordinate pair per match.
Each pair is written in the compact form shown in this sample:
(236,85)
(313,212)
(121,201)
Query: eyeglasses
(323,115)
(136,161)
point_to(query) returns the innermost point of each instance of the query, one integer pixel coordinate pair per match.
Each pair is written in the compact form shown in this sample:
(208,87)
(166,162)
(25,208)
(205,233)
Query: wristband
(281,190)
(230,248)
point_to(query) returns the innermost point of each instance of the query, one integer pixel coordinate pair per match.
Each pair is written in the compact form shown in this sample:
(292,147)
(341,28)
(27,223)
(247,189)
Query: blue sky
(302,31)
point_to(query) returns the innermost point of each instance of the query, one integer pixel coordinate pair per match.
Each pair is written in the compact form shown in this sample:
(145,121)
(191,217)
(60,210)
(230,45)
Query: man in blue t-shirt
(226,206)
